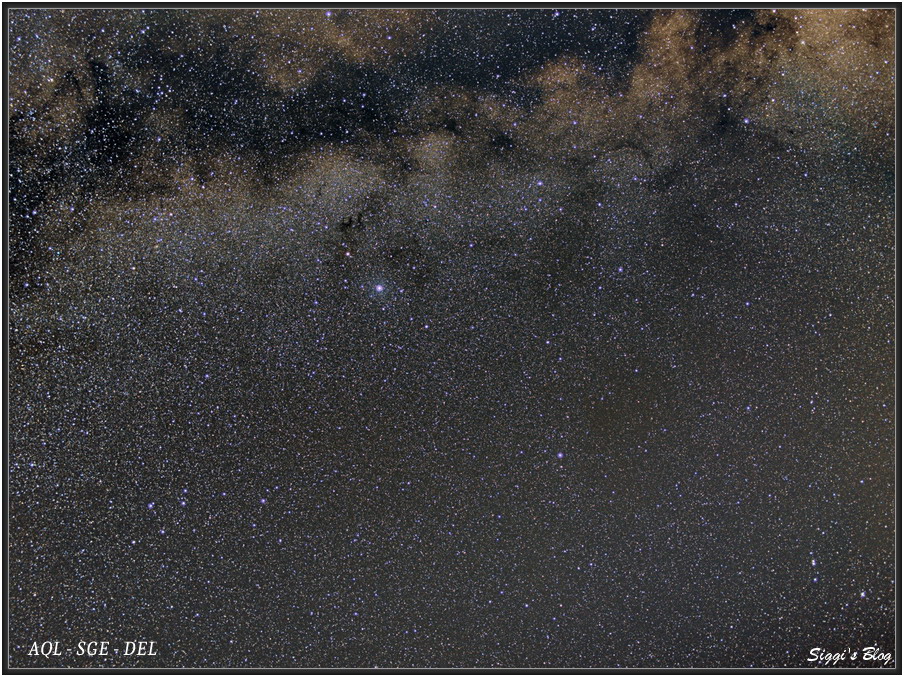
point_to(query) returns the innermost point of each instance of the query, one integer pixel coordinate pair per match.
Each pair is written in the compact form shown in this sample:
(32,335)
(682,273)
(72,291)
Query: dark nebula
(455,338)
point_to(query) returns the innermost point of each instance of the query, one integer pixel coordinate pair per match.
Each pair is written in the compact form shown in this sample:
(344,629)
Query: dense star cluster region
(472,338)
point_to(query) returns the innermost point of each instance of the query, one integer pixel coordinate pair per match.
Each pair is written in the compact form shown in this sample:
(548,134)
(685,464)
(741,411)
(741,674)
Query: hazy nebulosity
(461,338)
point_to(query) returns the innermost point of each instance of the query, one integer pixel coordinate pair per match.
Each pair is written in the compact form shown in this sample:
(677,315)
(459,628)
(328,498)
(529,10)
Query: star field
(451,338)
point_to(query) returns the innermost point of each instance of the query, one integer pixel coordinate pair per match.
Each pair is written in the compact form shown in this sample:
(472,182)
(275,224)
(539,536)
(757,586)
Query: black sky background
(453,338)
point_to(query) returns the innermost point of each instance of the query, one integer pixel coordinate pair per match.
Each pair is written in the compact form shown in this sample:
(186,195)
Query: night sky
(471,338)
